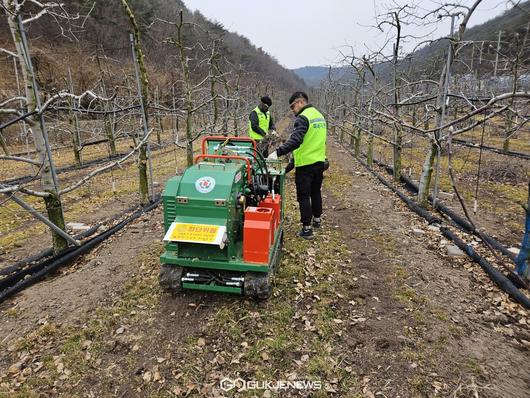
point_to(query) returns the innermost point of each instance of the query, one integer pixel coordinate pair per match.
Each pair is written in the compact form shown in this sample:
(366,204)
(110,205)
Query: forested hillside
(513,25)
(102,30)
(313,75)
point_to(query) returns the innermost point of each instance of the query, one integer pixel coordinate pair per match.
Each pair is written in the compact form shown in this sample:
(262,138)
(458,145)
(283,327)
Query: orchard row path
(369,308)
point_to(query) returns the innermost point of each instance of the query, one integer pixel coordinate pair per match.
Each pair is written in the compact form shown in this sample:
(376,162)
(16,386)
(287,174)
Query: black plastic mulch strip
(40,271)
(495,275)
(457,219)
(431,219)
(48,252)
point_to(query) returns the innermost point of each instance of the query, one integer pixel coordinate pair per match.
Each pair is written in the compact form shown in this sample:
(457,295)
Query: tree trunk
(142,155)
(426,176)
(55,215)
(3,145)
(110,134)
(107,123)
(398,131)
(189,137)
(215,110)
(508,128)
(357,148)
(49,184)
(370,153)
(74,125)
(76,142)
(397,152)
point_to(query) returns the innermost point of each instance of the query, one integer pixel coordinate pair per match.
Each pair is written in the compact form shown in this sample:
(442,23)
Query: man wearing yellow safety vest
(308,145)
(260,123)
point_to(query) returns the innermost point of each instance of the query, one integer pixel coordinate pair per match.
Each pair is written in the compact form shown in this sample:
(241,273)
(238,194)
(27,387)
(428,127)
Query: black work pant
(308,181)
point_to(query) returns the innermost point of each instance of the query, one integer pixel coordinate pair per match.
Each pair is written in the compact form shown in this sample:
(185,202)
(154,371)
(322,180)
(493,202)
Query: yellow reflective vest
(313,147)
(264,120)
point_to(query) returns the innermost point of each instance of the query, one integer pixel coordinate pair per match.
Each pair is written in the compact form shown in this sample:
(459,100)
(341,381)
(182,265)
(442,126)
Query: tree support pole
(42,144)
(42,218)
(522,268)
(37,100)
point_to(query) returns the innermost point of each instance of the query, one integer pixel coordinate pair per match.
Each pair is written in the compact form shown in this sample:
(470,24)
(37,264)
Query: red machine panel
(257,231)
(274,204)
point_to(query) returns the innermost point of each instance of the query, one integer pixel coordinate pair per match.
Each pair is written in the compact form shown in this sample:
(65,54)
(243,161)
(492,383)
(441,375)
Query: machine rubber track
(258,285)
(169,278)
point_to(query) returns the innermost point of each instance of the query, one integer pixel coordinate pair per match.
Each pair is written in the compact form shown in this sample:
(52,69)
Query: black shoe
(317,222)
(306,233)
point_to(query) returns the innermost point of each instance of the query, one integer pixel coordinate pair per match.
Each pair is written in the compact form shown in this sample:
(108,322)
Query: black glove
(326,164)
(289,166)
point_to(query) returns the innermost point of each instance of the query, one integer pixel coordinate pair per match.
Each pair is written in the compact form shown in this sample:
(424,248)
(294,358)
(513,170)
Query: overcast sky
(311,32)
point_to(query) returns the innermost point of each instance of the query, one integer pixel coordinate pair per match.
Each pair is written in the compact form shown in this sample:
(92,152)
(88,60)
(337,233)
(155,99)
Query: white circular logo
(205,184)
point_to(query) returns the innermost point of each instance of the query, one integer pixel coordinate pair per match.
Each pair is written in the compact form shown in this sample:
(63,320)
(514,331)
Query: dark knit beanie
(266,100)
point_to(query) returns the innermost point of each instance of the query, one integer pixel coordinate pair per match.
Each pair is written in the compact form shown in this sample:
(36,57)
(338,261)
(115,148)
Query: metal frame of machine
(223,219)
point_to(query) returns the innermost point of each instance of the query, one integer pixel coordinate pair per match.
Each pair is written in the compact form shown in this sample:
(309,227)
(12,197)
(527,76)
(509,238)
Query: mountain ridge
(513,23)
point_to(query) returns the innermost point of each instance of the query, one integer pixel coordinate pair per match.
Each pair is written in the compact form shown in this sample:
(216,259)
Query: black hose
(48,252)
(495,275)
(39,271)
(259,165)
(457,219)
(28,260)
(431,219)
(260,155)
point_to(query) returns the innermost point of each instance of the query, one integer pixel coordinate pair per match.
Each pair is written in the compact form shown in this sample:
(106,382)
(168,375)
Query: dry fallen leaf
(147,377)
(15,368)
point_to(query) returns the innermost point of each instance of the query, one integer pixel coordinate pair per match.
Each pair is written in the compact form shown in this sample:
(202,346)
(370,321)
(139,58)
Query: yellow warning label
(199,233)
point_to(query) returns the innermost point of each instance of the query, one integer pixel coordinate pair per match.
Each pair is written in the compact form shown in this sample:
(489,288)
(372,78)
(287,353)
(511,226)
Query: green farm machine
(223,219)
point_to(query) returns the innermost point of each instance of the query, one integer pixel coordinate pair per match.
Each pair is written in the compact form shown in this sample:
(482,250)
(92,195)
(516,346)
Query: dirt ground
(368,309)
(21,235)
(500,186)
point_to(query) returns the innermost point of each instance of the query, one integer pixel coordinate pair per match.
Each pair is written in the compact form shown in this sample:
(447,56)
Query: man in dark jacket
(260,123)
(308,145)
